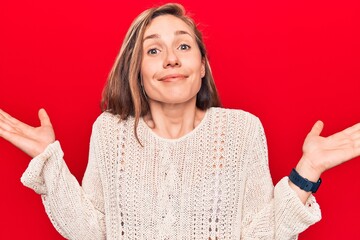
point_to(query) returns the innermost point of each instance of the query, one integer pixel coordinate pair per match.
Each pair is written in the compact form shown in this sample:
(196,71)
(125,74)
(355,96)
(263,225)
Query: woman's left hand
(324,153)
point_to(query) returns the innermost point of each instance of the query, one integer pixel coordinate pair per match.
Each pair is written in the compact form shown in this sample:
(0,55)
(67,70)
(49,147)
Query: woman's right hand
(31,140)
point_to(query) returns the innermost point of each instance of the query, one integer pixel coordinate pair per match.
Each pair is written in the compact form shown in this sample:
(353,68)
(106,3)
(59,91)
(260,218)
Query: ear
(202,68)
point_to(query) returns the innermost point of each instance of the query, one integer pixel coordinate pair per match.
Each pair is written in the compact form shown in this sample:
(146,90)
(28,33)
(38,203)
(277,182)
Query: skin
(171,73)
(321,154)
(172,68)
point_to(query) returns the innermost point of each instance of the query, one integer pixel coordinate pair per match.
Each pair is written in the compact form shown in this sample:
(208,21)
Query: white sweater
(213,183)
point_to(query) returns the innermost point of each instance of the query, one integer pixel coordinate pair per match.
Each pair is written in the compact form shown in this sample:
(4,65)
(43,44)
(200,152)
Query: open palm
(31,140)
(324,153)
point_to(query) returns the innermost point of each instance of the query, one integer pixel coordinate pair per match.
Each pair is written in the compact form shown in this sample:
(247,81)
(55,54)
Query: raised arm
(268,212)
(77,212)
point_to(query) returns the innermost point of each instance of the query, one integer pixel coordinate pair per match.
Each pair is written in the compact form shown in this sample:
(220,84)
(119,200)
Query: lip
(172,77)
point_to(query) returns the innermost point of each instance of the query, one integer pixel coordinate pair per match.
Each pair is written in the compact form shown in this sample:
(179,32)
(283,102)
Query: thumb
(44,118)
(317,128)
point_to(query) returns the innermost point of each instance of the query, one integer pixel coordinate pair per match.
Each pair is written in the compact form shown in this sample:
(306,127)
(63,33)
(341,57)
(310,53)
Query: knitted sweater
(213,183)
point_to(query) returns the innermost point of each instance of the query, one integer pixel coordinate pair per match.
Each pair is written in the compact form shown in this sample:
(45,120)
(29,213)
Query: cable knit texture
(213,183)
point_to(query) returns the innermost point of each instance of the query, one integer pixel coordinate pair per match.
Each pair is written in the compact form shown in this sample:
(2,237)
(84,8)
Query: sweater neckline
(174,140)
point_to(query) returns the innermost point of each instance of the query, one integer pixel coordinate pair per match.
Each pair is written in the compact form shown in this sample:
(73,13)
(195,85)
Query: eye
(153,51)
(184,47)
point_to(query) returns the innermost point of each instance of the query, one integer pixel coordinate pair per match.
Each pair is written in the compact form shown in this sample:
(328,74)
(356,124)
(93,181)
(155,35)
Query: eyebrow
(177,33)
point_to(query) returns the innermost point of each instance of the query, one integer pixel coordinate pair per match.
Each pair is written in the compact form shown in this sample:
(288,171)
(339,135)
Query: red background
(288,62)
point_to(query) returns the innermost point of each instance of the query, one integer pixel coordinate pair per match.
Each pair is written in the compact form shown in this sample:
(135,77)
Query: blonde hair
(123,94)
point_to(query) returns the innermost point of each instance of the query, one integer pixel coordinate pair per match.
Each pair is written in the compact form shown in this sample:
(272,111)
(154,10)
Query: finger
(317,128)
(355,135)
(12,125)
(352,129)
(340,136)
(347,144)
(5,132)
(353,144)
(5,124)
(357,148)
(4,118)
(2,131)
(13,121)
(44,118)
(19,142)
(10,134)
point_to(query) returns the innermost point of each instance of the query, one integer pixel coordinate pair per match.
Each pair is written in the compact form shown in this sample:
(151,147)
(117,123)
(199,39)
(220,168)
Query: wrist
(308,170)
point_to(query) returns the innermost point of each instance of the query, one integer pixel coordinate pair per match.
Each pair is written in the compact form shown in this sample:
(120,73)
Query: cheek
(196,64)
(148,82)
(147,70)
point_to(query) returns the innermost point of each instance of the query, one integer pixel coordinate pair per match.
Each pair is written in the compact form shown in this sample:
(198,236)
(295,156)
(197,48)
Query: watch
(304,183)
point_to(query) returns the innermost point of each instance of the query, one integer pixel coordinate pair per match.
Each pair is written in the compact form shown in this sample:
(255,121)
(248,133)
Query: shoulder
(237,123)
(236,116)
(108,122)
(106,118)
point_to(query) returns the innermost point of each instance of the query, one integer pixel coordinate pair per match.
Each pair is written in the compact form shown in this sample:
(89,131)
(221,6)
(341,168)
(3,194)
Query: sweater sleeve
(272,213)
(76,212)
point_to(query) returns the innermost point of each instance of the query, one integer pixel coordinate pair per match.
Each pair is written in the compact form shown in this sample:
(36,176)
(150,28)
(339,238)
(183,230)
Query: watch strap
(304,183)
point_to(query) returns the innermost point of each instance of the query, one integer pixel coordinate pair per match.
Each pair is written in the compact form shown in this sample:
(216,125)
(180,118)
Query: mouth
(172,77)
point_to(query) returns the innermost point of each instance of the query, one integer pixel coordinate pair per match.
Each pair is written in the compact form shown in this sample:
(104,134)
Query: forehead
(167,24)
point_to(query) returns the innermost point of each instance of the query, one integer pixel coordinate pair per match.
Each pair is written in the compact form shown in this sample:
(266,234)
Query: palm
(328,152)
(31,140)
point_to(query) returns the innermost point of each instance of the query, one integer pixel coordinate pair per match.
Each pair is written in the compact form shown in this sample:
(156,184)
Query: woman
(166,162)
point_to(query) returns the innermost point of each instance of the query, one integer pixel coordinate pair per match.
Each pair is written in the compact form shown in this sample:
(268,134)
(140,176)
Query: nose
(171,59)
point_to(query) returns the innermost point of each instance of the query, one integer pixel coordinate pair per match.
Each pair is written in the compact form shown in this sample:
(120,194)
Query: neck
(174,120)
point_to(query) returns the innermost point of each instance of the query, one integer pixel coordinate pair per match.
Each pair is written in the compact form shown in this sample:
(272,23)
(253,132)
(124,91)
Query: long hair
(123,94)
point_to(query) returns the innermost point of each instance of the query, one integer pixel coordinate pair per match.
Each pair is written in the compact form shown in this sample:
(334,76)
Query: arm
(76,212)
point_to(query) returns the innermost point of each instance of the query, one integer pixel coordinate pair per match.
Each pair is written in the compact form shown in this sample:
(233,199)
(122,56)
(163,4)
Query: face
(172,65)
